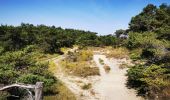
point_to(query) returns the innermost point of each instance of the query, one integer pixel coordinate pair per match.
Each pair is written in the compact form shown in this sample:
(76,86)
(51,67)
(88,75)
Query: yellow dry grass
(117,53)
(63,93)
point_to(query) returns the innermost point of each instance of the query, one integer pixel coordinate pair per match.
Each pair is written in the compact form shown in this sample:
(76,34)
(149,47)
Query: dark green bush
(148,78)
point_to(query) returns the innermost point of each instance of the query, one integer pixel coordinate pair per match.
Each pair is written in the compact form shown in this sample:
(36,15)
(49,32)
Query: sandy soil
(112,85)
(107,86)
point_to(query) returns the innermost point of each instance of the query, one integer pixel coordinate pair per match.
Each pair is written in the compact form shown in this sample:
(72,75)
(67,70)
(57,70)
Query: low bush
(20,66)
(135,54)
(87,86)
(149,79)
(101,61)
(106,68)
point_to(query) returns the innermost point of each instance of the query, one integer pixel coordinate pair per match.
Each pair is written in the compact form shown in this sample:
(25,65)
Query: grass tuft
(86,86)
(106,68)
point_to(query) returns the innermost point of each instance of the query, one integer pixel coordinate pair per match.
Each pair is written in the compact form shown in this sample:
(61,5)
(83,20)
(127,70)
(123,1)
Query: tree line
(49,39)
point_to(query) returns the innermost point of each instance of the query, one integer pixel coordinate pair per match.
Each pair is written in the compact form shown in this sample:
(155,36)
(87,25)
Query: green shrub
(20,66)
(101,61)
(32,79)
(152,79)
(1,50)
(155,76)
(87,86)
(8,76)
(134,75)
(135,54)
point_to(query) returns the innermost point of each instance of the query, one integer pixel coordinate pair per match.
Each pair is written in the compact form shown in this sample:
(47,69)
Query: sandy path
(112,85)
(107,86)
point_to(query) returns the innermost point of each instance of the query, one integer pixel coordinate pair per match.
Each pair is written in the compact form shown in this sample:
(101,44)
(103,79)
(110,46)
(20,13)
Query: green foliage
(119,32)
(150,19)
(101,61)
(48,39)
(87,86)
(20,66)
(149,33)
(33,78)
(8,76)
(134,75)
(87,40)
(151,46)
(155,76)
(107,40)
(148,78)
(135,54)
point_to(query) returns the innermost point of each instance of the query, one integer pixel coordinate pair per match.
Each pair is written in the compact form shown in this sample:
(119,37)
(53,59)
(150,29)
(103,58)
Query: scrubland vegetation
(20,66)
(148,43)
(80,63)
(25,50)
(101,61)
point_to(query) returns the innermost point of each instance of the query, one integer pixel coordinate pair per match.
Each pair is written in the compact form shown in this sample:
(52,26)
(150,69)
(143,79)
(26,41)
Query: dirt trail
(112,85)
(107,86)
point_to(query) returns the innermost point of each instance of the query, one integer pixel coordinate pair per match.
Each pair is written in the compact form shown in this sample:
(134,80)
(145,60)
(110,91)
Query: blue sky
(102,16)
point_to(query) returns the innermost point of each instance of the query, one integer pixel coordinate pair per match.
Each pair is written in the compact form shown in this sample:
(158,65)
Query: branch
(18,85)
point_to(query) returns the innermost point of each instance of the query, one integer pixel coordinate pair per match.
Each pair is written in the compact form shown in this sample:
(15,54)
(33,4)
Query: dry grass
(106,68)
(118,53)
(52,67)
(85,55)
(60,90)
(81,69)
(79,64)
(63,93)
